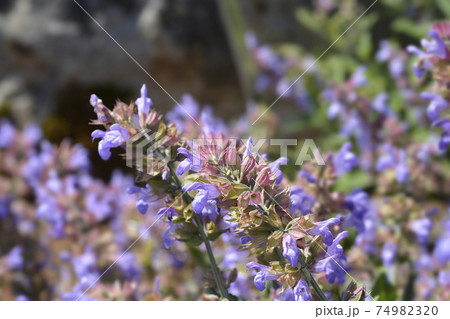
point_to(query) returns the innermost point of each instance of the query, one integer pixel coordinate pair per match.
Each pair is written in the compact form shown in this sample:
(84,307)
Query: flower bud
(152,119)
(243,200)
(248,164)
(263,178)
(256,198)
(283,198)
(230,156)
(256,218)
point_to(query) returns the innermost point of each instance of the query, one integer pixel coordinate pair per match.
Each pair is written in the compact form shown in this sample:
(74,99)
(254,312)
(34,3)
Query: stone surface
(48,46)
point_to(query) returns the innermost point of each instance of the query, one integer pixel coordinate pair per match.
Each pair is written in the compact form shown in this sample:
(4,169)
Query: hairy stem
(312,280)
(215,269)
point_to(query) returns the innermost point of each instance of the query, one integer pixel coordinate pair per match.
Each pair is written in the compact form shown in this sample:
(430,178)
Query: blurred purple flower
(275,168)
(7,133)
(422,228)
(345,160)
(302,201)
(389,253)
(14,259)
(357,202)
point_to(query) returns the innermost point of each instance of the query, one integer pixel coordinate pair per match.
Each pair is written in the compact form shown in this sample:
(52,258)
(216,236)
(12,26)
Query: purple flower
(14,259)
(367,239)
(290,250)
(395,160)
(85,264)
(345,160)
(380,104)
(444,142)
(169,235)
(80,158)
(275,168)
(397,66)
(128,264)
(144,199)
(115,137)
(437,103)
(186,109)
(205,193)
(442,248)
(301,201)
(191,162)
(388,253)
(33,133)
(426,63)
(210,210)
(357,202)
(323,230)
(49,210)
(233,257)
(22,298)
(7,133)
(144,103)
(212,124)
(402,169)
(301,291)
(436,46)
(359,77)
(307,176)
(335,109)
(5,206)
(422,228)
(335,264)
(245,240)
(169,212)
(240,287)
(262,275)
(248,147)
(444,278)
(385,52)
(93,100)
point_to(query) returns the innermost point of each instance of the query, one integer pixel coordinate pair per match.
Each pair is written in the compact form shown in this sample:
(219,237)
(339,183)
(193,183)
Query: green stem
(222,290)
(187,199)
(312,280)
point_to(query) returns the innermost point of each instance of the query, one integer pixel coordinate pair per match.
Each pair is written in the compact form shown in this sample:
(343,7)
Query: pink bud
(263,178)
(243,200)
(248,164)
(230,156)
(256,197)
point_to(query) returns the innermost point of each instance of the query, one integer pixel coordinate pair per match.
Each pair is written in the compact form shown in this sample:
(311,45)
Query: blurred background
(231,55)
(53,56)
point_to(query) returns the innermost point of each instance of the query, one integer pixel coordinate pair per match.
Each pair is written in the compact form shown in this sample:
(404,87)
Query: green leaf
(384,289)
(411,28)
(308,20)
(445,6)
(408,293)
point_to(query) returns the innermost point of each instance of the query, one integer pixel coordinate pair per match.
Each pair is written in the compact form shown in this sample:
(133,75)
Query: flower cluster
(434,58)
(61,228)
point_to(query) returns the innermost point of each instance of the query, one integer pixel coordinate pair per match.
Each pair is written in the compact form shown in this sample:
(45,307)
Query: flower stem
(312,280)
(215,269)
